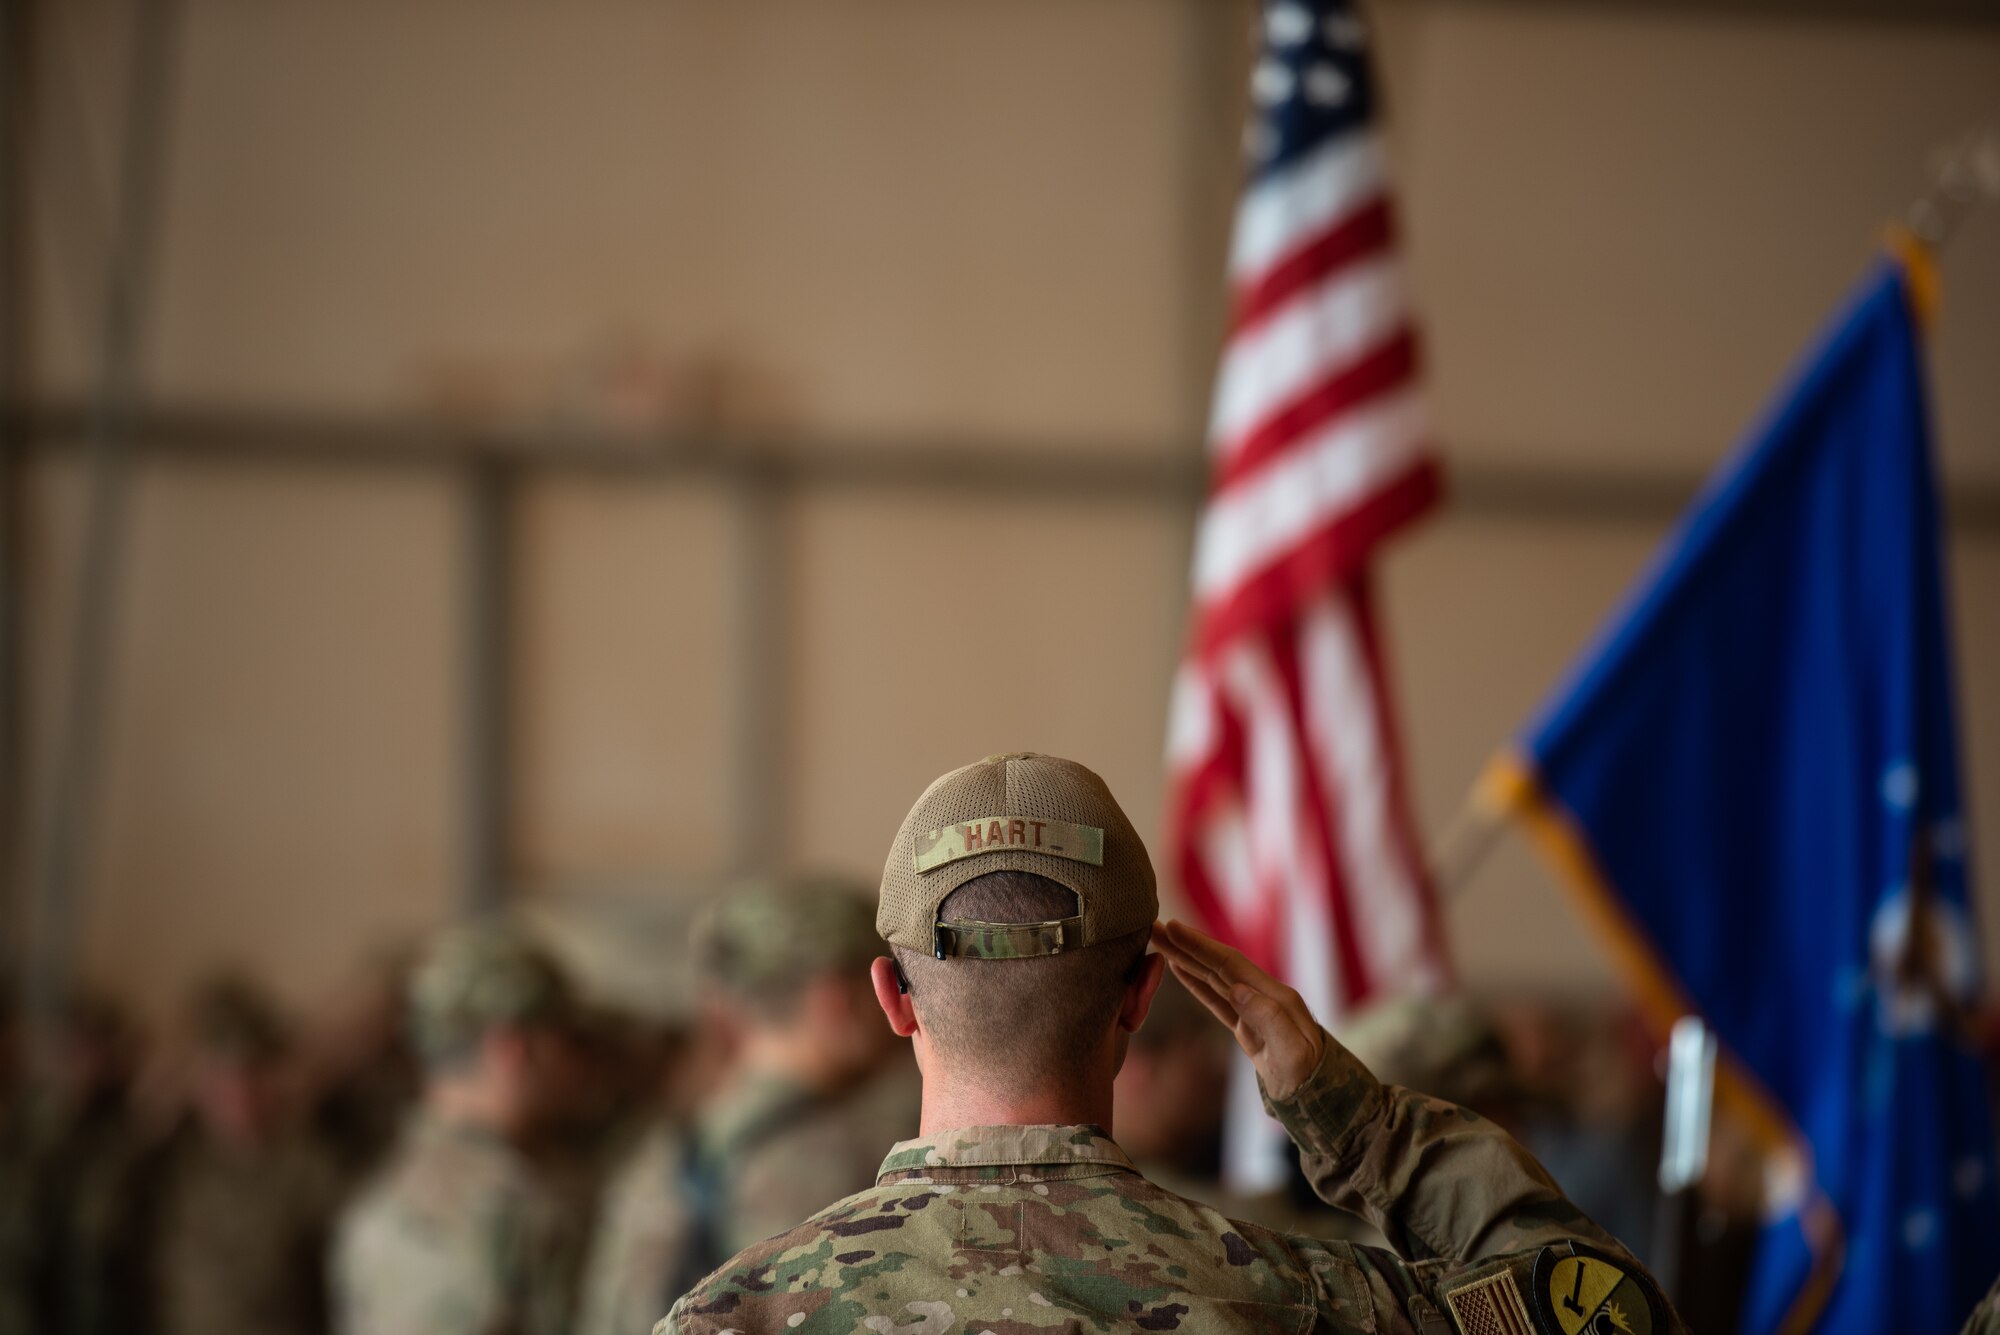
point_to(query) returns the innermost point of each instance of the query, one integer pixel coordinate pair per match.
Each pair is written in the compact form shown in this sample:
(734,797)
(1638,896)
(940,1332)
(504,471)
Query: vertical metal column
(1211,165)
(1210,159)
(760,805)
(65,846)
(485,685)
(14,91)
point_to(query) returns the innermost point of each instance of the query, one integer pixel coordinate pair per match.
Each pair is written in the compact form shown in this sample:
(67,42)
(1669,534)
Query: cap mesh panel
(1114,900)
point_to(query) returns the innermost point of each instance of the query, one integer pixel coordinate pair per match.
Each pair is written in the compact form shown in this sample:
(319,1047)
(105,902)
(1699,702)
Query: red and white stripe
(1291,825)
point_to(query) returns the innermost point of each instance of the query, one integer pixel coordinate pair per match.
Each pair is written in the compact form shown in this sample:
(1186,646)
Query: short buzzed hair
(1017,1018)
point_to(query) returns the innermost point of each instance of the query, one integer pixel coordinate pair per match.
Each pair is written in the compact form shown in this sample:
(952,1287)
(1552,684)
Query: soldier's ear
(893,996)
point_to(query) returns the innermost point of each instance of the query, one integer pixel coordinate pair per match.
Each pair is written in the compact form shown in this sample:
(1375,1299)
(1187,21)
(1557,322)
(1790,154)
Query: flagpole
(1469,838)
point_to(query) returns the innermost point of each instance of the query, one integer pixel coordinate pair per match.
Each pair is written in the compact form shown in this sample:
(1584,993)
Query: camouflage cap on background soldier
(479,976)
(766,937)
(1442,1046)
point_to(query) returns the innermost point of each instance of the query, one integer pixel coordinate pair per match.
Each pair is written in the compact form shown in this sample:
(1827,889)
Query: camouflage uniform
(1019,1229)
(458,1237)
(88,1190)
(460,1234)
(242,1238)
(23,1243)
(101,1202)
(777,1155)
(244,1203)
(792,1154)
(1985,1318)
(768,1152)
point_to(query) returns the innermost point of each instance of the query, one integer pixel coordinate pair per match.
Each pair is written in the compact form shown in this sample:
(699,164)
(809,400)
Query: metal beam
(761,800)
(485,685)
(1898,13)
(1111,472)
(1075,467)
(63,852)
(15,66)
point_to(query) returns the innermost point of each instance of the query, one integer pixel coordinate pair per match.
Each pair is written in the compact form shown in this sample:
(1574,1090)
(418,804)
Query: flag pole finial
(1965,173)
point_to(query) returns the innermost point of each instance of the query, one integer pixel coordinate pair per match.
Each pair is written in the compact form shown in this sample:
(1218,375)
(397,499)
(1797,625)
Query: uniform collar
(427,1128)
(1072,1150)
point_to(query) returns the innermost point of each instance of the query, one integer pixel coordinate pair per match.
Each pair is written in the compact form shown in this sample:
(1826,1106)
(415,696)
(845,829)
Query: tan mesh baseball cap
(1016,812)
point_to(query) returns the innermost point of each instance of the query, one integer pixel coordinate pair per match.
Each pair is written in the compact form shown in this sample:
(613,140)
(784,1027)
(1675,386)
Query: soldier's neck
(473,1106)
(794,1056)
(951,1101)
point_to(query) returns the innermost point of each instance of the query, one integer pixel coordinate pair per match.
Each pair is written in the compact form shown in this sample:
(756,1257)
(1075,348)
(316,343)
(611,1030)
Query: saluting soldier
(1018,902)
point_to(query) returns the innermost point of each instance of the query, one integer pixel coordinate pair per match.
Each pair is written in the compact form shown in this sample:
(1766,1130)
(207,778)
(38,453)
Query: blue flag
(1751,781)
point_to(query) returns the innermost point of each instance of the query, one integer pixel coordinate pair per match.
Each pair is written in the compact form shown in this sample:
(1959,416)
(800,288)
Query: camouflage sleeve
(1441,1182)
(642,1236)
(546,1260)
(1477,1224)
(1985,1318)
(680,1321)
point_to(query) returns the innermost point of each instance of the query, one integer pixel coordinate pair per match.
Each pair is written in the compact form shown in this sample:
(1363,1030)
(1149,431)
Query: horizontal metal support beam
(1079,470)
(1905,13)
(339,440)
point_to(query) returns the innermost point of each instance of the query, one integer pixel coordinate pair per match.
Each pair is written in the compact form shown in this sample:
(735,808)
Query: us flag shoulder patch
(1490,1306)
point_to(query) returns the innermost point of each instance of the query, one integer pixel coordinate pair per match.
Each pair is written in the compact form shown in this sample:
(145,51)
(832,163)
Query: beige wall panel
(625,690)
(894,216)
(933,630)
(82,52)
(277,770)
(1626,221)
(929,221)
(1485,617)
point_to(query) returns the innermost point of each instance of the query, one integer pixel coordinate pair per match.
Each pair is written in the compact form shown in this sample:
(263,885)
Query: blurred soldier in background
(359,1074)
(1171,1094)
(1587,1103)
(460,1235)
(592,1126)
(20,1236)
(98,1157)
(814,1082)
(245,1196)
(1441,1046)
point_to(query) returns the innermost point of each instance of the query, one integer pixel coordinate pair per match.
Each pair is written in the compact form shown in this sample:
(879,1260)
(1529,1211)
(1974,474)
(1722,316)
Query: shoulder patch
(1490,1306)
(1578,1291)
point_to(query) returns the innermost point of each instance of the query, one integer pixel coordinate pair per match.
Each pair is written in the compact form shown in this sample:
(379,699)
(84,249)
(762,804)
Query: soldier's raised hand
(1270,1021)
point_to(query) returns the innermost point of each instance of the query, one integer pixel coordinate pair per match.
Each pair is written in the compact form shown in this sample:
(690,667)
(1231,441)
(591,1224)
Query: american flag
(1289,819)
